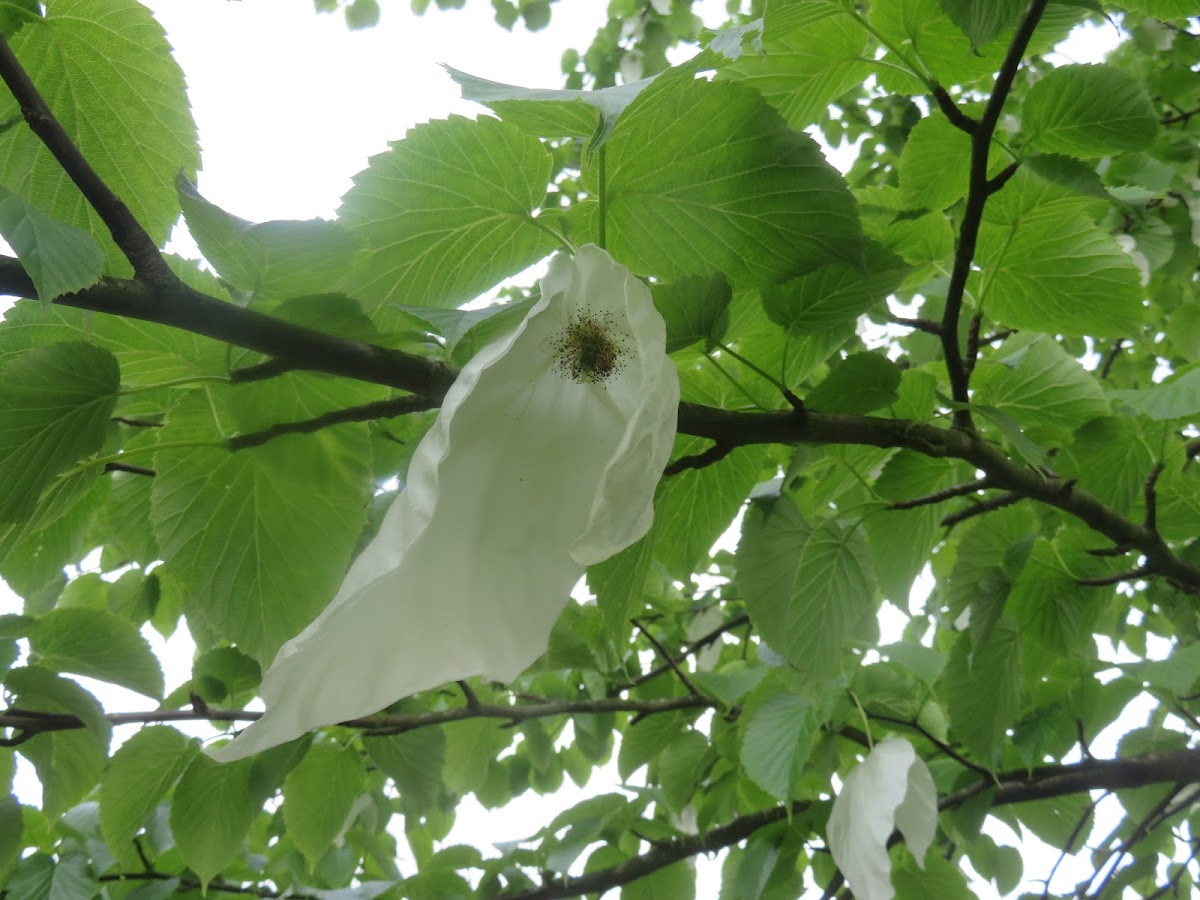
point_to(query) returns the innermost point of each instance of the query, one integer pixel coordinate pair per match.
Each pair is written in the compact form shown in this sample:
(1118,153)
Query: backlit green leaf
(59,258)
(705,176)
(1089,111)
(96,643)
(318,795)
(139,775)
(447,213)
(55,403)
(806,588)
(103,65)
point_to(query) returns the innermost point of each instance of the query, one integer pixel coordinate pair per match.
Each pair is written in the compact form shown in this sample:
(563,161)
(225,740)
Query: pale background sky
(289,105)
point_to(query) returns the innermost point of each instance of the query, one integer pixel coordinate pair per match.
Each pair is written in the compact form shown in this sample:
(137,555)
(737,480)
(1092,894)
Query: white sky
(290,105)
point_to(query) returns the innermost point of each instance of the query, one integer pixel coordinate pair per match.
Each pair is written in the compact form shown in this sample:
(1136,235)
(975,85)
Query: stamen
(588,350)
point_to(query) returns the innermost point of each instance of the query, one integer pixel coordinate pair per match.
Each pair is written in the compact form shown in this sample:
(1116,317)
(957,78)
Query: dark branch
(132,470)
(192,884)
(1044,782)
(929,326)
(957,490)
(1109,580)
(713,454)
(1111,357)
(1150,522)
(980,508)
(382,409)
(980,188)
(126,231)
(950,110)
(688,650)
(670,660)
(29,723)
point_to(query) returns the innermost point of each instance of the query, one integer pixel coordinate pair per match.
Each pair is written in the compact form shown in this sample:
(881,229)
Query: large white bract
(542,461)
(892,788)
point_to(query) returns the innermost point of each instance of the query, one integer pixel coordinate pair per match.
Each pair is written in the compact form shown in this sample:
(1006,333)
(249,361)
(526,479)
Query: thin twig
(381,409)
(670,660)
(1150,522)
(192,884)
(687,650)
(272,368)
(1140,831)
(957,490)
(136,423)
(1111,357)
(982,507)
(1071,839)
(132,470)
(1109,580)
(943,748)
(929,326)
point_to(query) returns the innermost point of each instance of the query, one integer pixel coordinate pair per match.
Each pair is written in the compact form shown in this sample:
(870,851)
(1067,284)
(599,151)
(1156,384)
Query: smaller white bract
(542,461)
(891,788)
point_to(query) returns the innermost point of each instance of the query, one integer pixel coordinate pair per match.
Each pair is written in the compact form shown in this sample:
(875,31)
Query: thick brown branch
(1181,766)
(126,231)
(181,307)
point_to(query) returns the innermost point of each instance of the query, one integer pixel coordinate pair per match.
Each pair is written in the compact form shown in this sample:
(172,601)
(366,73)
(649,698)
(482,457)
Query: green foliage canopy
(967,366)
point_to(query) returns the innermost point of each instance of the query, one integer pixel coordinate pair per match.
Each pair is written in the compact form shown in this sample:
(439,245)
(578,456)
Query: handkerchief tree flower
(542,461)
(881,474)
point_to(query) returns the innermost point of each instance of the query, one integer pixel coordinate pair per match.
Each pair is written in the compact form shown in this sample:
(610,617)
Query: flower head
(542,461)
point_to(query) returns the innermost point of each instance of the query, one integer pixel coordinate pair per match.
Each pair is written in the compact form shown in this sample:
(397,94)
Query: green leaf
(831,297)
(33,553)
(1176,673)
(677,881)
(225,675)
(805,588)
(318,796)
(68,763)
(552,113)
(777,741)
(706,177)
(681,768)
(859,384)
(55,403)
(108,74)
(785,16)
(986,678)
(139,775)
(1176,398)
(1059,273)
(990,557)
(1110,458)
(907,476)
(414,761)
(96,643)
(937,879)
(619,584)
(693,508)
(259,539)
(10,834)
(1048,603)
(982,20)
(60,259)
(645,740)
(269,259)
(934,164)
(694,309)
(447,213)
(1040,385)
(1088,112)
(213,807)
(803,70)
